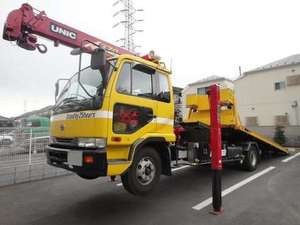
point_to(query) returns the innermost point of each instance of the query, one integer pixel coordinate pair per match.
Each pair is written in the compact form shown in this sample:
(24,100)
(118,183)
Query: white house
(269,96)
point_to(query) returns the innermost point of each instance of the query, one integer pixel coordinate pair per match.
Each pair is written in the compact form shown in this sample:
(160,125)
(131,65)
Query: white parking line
(291,157)
(175,169)
(208,201)
(180,168)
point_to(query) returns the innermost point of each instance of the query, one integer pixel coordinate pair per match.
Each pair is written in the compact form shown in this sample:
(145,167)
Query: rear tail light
(88,159)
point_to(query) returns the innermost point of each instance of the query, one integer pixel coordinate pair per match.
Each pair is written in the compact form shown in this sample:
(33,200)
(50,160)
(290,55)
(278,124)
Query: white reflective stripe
(97,114)
(58,117)
(104,114)
(165,121)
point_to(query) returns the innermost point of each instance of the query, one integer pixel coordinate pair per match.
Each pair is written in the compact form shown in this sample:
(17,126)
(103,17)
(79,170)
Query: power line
(127,17)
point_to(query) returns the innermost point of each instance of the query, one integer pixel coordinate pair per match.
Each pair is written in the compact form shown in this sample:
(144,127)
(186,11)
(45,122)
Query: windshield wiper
(70,99)
(65,90)
(66,103)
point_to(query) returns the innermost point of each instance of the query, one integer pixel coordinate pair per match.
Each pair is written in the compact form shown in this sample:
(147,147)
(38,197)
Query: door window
(163,88)
(136,80)
(129,118)
(124,81)
(141,83)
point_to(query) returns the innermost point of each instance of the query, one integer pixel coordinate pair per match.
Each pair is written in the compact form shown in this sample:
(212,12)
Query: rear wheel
(251,159)
(144,172)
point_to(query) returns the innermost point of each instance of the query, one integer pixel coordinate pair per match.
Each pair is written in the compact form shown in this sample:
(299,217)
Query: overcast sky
(202,38)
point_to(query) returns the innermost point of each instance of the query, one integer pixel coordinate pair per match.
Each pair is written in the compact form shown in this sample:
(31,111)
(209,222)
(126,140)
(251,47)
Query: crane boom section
(23,25)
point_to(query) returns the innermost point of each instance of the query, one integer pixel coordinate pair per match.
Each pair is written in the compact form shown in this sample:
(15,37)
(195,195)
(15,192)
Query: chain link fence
(22,155)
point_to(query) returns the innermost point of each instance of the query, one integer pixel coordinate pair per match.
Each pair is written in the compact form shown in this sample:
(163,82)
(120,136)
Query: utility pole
(127,17)
(240,71)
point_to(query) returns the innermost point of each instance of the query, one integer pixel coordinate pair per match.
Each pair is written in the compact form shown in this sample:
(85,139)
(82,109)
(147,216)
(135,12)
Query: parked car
(6,139)
(35,128)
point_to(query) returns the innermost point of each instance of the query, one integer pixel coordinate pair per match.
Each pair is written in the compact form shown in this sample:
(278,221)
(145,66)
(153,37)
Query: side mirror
(98,59)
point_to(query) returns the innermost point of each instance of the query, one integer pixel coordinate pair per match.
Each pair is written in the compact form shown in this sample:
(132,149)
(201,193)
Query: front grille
(64,140)
(58,156)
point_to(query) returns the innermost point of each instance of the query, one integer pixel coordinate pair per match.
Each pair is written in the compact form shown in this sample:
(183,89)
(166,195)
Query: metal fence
(22,155)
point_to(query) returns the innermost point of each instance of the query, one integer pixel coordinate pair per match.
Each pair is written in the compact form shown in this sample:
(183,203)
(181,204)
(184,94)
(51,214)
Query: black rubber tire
(87,176)
(251,159)
(129,179)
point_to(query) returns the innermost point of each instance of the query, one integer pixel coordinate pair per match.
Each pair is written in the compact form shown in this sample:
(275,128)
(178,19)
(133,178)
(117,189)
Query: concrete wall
(292,134)
(257,97)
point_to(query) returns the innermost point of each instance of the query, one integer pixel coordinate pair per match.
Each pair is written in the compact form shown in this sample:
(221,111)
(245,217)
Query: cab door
(133,105)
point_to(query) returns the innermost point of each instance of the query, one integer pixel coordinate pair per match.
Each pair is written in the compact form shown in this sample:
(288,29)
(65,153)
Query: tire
(87,176)
(144,173)
(251,159)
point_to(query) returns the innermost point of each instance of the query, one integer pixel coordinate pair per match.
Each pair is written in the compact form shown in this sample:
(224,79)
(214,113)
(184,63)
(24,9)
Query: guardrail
(22,143)
(26,173)
(22,155)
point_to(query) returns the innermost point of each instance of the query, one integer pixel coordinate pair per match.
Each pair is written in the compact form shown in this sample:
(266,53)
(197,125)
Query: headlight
(92,142)
(52,140)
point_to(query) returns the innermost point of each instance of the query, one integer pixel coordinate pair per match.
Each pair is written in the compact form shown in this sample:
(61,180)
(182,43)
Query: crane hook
(41,48)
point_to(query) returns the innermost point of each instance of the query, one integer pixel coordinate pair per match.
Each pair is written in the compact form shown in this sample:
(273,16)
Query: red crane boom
(24,24)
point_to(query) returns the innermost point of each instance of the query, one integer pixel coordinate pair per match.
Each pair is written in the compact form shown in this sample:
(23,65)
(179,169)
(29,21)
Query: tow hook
(41,48)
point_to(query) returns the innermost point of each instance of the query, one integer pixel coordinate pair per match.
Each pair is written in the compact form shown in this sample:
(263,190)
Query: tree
(279,135)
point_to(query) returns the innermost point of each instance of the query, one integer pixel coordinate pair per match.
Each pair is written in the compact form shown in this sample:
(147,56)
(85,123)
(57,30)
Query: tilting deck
(231,126)
(262,140)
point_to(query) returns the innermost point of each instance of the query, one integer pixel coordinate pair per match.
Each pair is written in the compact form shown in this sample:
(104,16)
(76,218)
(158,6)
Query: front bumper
(72,159)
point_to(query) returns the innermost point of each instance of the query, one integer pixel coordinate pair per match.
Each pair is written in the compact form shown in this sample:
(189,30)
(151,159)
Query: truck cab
(115,120)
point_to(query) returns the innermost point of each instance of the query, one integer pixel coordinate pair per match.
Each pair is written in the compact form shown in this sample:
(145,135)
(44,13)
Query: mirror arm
(79,67)
(57,87)
(112,65)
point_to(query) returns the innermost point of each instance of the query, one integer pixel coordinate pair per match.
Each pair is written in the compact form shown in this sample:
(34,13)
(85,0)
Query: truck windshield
(85,96)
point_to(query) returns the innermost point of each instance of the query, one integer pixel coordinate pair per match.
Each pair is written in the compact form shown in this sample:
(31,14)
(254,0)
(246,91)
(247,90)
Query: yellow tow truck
(116,116)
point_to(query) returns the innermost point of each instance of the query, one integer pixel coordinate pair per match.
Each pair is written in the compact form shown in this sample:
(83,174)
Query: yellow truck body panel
(100,123)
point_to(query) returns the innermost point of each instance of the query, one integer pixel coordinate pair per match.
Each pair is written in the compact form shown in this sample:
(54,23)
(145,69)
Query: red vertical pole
(215,147)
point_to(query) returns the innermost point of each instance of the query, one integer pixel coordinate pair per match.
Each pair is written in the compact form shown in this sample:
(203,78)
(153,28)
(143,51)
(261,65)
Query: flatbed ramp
(232,129)
(264,141)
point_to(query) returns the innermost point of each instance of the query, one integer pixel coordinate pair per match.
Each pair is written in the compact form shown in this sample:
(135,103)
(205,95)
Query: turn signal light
(88,159)
(116,139)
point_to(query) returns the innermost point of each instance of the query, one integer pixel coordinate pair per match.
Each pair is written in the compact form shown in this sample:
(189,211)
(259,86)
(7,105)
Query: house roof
(45,110)
(177,89)
(287,61)
(209,79)
(3,118)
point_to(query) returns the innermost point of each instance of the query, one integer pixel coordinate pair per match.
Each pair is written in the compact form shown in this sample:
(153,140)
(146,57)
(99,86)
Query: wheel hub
(145,171)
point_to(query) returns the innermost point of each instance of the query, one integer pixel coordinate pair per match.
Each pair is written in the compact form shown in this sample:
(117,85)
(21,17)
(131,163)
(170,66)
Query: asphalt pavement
(269,195)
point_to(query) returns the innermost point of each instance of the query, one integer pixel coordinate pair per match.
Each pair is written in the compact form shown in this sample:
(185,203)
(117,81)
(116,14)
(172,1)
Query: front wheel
(144,172)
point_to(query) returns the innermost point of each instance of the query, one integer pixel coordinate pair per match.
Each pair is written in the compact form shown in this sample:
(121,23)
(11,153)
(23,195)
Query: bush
(279,136)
